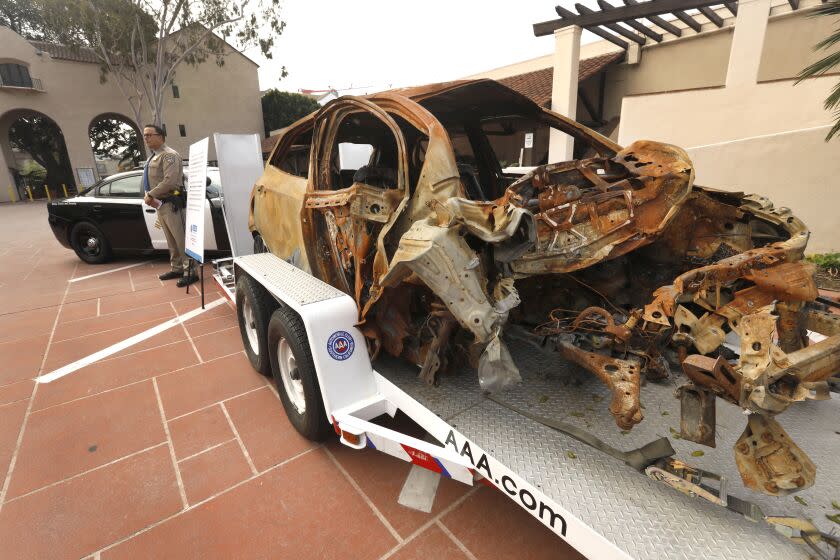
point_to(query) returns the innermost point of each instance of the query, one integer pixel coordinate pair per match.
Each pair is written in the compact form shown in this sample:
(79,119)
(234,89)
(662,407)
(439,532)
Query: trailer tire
(294,375)
(254,306)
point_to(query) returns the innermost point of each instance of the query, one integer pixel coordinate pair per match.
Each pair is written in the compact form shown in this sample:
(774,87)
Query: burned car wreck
(615,261)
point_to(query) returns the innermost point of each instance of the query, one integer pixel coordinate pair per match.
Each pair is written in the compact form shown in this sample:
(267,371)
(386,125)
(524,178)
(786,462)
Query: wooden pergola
(605,22)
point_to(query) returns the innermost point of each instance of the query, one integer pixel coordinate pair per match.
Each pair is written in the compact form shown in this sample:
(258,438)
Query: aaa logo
(340,345)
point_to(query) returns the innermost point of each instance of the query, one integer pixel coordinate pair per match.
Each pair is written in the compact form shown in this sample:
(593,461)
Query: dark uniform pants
(172,222)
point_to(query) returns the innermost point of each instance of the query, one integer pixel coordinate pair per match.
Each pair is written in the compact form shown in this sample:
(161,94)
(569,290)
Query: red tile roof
(63,52)
(536,85)
(269,143)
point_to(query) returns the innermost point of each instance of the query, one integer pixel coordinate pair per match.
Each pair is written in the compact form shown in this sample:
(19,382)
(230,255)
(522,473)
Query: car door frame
(325,132)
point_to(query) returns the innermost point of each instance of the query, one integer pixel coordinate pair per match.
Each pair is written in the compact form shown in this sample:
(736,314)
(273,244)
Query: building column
(6,180)
(564,87)
(77,140)
(747,43)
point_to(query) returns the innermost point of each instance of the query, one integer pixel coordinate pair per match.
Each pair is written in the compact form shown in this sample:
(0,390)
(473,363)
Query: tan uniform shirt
(166,173)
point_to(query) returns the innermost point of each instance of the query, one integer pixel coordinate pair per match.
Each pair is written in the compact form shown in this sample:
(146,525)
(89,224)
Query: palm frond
(819,67)
(830,8)
(825,64)
(835,130)
(828,41)
(833,99)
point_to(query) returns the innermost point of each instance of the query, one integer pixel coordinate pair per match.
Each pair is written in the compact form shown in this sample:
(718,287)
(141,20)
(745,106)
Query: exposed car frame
(615,260)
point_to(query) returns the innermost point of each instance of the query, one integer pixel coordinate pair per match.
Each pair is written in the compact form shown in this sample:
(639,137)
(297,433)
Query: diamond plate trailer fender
(324,311)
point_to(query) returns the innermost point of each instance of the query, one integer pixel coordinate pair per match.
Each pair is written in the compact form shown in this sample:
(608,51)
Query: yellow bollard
(11,194)
(47,188)
(29,192)
(63,186)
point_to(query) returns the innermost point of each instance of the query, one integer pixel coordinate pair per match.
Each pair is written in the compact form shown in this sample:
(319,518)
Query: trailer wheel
(254,306)
(294,375)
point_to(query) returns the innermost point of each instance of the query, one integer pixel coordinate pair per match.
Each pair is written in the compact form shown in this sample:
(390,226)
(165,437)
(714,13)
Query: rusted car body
(615,260)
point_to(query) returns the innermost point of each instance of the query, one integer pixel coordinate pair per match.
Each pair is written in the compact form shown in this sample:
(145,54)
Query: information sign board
(196,194)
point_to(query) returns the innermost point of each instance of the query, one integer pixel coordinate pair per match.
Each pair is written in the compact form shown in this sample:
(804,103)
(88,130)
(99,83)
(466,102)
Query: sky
(379,44)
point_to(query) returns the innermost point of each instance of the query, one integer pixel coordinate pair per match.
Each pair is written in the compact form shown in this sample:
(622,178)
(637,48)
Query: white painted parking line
(120,346)
(108,271)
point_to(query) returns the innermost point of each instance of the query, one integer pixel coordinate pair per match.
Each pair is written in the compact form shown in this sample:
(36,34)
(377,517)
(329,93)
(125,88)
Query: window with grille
(16,75)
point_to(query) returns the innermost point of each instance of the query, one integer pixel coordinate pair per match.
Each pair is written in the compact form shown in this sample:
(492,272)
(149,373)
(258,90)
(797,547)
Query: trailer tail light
(352,439)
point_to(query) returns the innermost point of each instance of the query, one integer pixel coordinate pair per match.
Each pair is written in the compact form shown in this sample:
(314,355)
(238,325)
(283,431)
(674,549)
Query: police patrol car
(111,217)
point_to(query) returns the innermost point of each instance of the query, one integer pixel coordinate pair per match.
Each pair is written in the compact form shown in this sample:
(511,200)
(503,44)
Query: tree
(22,17)
(829,62)
(140,44)
(281,108)
(113,139)
(42,139)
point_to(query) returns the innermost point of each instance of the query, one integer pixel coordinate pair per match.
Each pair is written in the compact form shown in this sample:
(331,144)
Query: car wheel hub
(290,375)
(250,326)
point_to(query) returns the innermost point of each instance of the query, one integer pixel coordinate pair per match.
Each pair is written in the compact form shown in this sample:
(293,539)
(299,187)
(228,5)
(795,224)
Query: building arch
(116,142)
(35,151)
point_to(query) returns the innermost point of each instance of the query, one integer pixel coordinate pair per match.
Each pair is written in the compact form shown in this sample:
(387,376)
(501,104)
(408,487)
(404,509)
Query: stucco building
(64,85)
(723,90)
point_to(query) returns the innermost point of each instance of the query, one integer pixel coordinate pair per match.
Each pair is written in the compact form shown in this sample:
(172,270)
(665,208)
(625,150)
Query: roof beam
(733,7)
(659,22)
(633,11)
(603,34)
(688,20)
(614,27)
(640,27)
(712,16)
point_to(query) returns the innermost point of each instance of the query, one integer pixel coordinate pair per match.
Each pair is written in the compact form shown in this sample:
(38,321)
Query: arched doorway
(36,153)
(116,143)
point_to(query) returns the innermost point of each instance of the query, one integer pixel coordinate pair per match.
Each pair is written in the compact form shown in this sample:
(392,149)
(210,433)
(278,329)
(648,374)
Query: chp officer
(163,180)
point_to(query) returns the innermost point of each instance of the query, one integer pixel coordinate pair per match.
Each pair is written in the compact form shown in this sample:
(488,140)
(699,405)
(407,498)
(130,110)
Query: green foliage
(281,108)
(113,139)
(34,173)
(23,17)
(41,138)
(825,260)
(826,64)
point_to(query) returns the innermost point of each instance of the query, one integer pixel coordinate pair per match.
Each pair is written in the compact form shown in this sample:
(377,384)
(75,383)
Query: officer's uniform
(164,180)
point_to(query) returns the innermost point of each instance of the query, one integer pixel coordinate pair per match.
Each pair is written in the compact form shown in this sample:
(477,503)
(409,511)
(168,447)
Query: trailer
(520,442)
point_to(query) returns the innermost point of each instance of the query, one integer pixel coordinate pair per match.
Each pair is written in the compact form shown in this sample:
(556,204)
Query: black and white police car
(111,217)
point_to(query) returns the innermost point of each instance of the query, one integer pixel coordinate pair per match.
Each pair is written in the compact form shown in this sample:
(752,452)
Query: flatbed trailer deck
(600,506)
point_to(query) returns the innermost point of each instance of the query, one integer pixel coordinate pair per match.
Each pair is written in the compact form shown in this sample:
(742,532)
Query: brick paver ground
(176,448)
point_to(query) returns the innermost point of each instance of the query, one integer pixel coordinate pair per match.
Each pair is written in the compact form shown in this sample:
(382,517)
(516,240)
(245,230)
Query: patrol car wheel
(254,306)
(294,375)
(89,243)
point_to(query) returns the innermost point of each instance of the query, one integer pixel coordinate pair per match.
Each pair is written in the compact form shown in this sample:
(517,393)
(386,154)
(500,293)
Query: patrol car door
(156,236)
(358,185)
(117,209)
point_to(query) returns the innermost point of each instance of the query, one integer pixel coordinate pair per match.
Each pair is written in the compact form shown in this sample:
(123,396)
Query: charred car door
(358,186)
